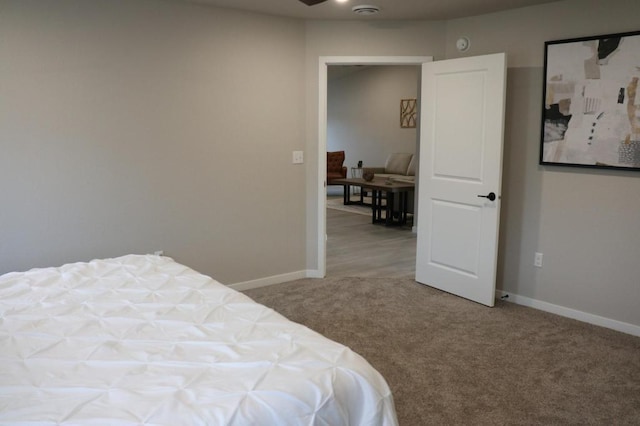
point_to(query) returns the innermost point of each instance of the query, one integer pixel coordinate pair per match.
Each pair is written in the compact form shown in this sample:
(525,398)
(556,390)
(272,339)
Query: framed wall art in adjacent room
(408,113)
(591,109)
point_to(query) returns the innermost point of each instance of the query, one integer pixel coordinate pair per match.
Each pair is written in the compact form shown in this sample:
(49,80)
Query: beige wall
(135,126)
(140,126)
(363,112)
(585,222)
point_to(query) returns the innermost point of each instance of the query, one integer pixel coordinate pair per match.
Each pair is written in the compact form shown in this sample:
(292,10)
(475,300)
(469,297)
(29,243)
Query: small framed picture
(408,113)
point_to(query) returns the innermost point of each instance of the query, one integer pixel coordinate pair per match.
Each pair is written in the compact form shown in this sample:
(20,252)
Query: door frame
(323,64)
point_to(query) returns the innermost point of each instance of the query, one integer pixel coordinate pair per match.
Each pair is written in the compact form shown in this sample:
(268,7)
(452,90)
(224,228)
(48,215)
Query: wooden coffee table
(381,189)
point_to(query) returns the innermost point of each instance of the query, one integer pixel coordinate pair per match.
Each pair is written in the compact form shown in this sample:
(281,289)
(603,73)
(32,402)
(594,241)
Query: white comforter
(145,340)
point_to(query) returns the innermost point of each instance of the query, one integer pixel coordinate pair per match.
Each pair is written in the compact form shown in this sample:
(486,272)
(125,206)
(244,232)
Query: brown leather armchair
(335,169)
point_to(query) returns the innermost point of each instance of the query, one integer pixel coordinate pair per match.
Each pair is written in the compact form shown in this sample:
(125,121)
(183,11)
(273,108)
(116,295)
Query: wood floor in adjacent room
(357,248)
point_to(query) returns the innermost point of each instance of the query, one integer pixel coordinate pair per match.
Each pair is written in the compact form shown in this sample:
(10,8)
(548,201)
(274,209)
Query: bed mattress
(146,340)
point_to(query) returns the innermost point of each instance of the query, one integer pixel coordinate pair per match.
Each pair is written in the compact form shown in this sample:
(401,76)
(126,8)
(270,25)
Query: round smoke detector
(365,9)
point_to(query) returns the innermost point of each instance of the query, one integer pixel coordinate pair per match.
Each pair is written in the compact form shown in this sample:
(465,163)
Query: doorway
(325,62)
(364,121)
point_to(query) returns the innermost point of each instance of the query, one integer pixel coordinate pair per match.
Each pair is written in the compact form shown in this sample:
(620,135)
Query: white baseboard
(570,313)
(275,279)
(314,273)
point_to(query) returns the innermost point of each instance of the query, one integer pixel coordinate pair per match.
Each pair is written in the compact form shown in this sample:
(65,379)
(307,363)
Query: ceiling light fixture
(365,9)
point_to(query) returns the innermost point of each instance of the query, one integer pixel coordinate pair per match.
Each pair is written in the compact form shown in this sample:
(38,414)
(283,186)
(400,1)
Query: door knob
(491,196)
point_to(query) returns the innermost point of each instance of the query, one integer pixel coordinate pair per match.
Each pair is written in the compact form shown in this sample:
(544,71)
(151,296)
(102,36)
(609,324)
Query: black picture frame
(591,102)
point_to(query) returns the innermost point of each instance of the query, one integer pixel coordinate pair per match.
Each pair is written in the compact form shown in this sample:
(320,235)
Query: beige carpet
(451,361)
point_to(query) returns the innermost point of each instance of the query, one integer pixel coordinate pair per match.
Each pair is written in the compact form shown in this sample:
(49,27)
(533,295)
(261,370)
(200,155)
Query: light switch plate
(298,157)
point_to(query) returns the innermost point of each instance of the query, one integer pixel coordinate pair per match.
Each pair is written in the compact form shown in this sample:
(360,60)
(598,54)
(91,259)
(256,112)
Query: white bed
(145,340)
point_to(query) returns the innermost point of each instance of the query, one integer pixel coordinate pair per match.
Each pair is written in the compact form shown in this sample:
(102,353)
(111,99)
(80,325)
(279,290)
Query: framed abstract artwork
(591,104)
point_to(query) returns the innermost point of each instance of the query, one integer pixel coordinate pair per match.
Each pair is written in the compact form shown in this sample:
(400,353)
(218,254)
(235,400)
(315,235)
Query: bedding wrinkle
(141,339)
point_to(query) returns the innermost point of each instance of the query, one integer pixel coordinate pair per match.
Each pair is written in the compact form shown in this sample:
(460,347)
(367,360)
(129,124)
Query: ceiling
(389,9)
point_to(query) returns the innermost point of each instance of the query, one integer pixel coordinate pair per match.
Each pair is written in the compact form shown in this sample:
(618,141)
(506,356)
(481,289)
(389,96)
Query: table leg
(379,206)
(345,195)
(405,208)
(389,210)
(373,207)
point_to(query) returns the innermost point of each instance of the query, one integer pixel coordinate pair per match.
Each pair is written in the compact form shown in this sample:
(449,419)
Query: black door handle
(491,196)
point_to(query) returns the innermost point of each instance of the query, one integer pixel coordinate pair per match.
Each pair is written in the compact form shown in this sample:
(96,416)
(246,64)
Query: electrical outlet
(159,252)
(537,260)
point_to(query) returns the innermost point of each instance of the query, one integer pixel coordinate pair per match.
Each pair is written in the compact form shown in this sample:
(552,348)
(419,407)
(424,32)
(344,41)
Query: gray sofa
(399,166)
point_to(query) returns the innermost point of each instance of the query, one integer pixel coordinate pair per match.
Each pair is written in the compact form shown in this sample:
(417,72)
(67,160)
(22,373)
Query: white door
(461,162)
